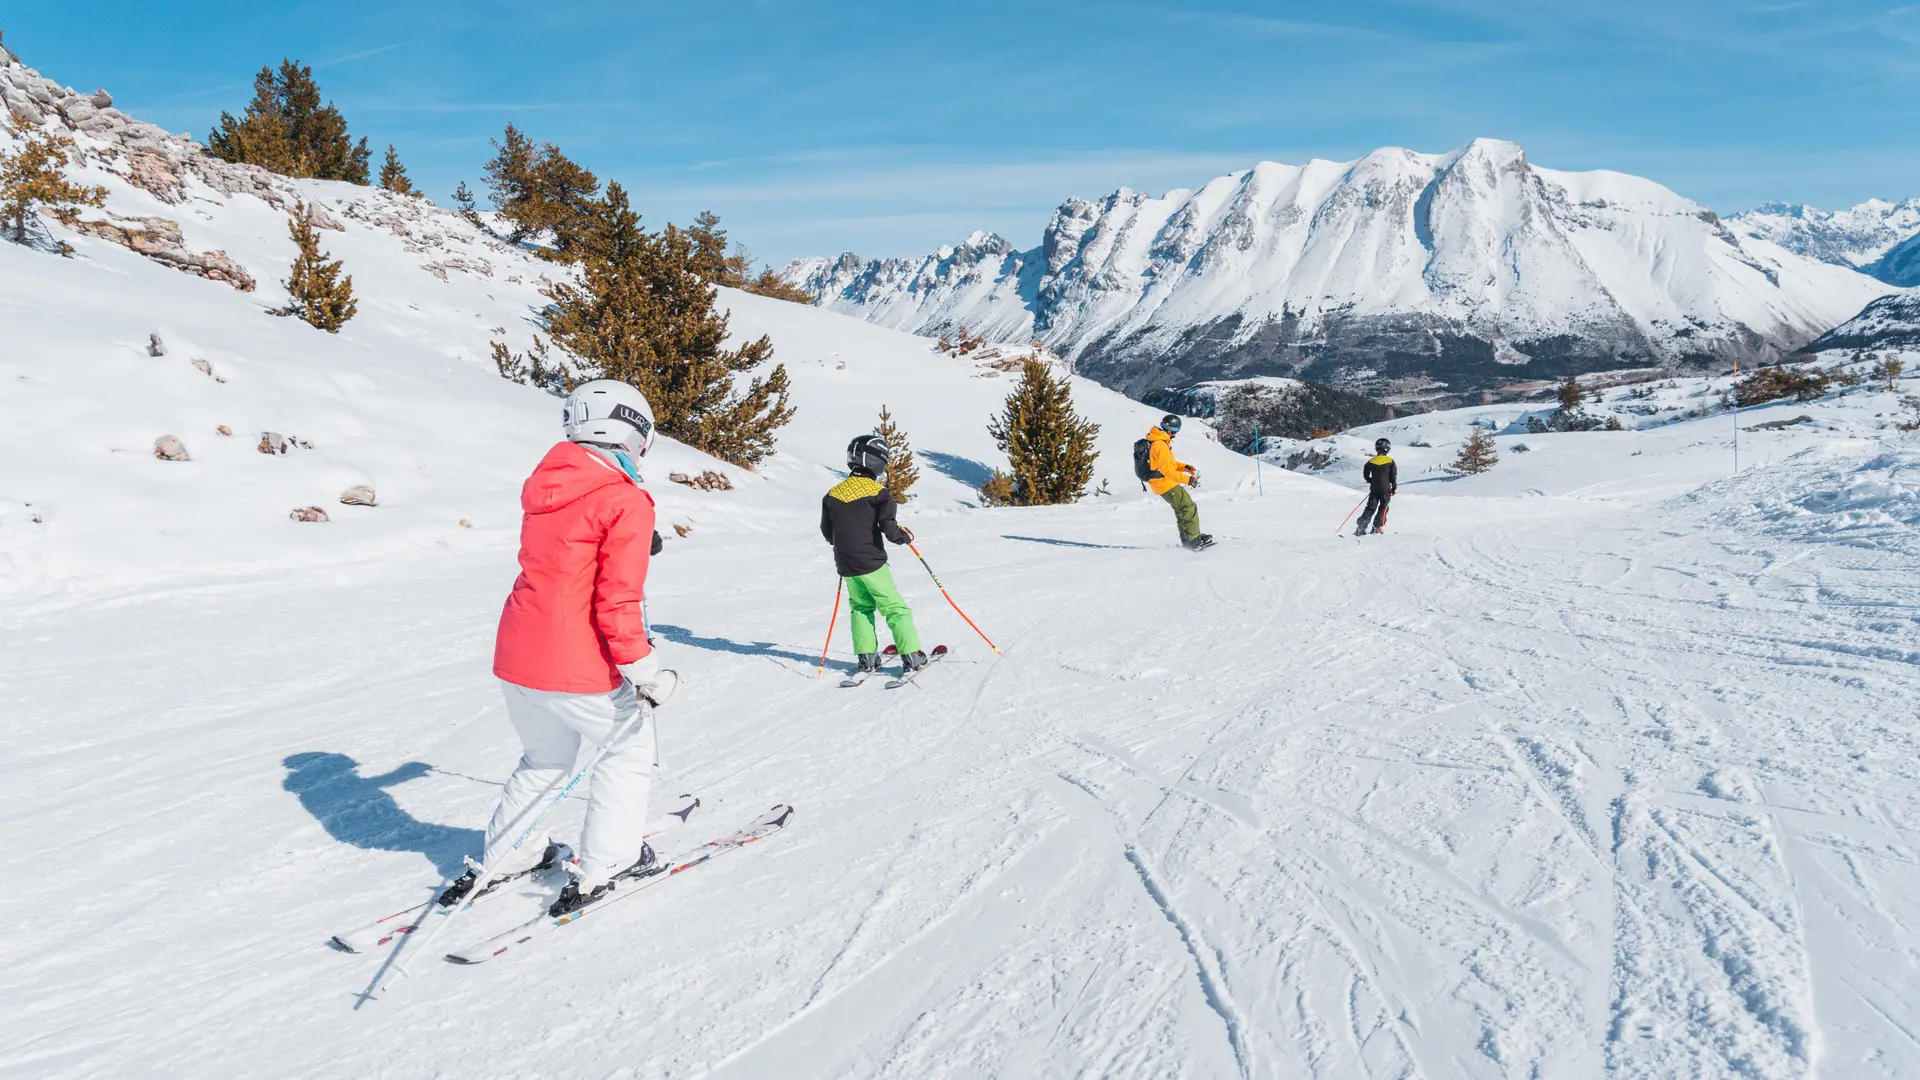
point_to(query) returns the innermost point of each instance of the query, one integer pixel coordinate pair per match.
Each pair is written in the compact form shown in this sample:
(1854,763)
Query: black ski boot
(913,661)
(572,899)
(869,663)
(463,884)
(1198,543)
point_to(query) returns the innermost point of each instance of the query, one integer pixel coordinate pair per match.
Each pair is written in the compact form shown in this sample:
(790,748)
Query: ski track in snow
(1589,794)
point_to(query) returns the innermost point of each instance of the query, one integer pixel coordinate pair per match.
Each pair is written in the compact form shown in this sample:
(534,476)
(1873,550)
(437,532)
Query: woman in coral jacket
(572,651)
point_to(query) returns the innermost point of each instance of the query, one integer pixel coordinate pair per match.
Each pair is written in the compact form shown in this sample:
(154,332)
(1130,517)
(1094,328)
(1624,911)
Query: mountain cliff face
(1399,275)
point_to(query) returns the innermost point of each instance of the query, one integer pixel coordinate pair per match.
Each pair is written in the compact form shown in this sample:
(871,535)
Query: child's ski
(536,928)
(938,654)
(859,677)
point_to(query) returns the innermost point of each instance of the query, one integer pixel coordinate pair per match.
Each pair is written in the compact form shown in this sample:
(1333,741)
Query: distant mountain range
(1408,277)
(1877,237)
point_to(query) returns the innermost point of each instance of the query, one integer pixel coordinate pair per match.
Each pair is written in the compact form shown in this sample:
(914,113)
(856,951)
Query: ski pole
(956,607)
(482,871)
(1349,517)
(830,623)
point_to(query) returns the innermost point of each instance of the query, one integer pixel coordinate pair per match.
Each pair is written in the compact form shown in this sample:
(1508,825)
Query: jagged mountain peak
(1398,273)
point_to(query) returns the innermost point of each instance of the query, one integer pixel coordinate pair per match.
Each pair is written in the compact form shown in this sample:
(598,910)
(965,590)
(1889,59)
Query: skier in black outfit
(854,517)
(1383,483)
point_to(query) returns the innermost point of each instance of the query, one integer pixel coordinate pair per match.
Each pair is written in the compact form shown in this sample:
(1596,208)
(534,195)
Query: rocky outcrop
(160,240)
(170,448)
(1891,322)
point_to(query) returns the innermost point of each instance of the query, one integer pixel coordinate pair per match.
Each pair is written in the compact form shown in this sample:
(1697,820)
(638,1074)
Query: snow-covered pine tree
(902,471)
(287,130)
(641,314)
(317,293)
(1477,454)
(1048,445)
(35,176)
(393,175)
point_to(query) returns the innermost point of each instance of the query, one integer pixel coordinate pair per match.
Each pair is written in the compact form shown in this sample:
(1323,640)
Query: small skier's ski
(859,677)
(533,929)
(385,929)
(938,654)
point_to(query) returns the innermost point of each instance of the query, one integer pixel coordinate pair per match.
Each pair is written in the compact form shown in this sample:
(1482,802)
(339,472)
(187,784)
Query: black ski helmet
(1170,424)
(867,453)
(1381,446)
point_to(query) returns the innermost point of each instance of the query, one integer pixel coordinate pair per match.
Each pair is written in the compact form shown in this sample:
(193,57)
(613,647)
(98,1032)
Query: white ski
(538,927)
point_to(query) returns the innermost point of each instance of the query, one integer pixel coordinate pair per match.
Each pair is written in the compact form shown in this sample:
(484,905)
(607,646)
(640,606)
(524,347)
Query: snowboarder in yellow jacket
(1168,477)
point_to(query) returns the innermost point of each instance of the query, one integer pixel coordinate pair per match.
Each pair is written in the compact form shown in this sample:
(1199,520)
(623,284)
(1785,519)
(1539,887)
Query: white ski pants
(551,727)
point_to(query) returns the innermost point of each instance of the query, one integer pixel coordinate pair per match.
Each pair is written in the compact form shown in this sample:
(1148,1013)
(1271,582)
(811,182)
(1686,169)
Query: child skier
(572,652)
(853,517)
(1167,477)
(1383,483)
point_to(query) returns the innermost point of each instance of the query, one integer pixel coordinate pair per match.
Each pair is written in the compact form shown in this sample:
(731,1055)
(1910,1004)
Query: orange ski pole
(830,624)
(956,607)
(1349,517)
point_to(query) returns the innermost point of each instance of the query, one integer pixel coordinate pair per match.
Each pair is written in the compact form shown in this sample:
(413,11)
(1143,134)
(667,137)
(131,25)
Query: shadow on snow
(1073,543)
(357,810)
(680,635)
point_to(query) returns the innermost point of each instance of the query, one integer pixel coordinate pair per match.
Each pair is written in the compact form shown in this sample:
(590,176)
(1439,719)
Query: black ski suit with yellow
(1383,483)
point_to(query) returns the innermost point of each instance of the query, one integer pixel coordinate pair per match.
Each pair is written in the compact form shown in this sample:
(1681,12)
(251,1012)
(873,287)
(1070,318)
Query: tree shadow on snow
(1073,543)
(357,810)
(680,635)
(966,470)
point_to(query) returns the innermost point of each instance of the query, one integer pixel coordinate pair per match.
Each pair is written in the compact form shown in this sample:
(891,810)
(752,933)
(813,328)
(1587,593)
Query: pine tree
(463,202)
(641,314)
(36,176)
(1049,447)
(287,130)
(1886,370)
(902,472)
(393,175)
(1477,454)
(1571,396)
(540,189)
(317,293)
(710,250)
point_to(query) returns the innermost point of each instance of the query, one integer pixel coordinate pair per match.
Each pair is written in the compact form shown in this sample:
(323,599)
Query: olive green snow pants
(1184,512)
(876,592)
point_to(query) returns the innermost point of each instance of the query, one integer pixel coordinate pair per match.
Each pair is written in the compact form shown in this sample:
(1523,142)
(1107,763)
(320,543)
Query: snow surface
(1605,759)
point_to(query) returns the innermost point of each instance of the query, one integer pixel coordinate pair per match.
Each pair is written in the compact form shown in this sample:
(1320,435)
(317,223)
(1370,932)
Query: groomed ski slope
(1603,760)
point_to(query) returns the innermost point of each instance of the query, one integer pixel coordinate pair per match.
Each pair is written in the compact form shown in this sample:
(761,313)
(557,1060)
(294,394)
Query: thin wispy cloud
(361,55)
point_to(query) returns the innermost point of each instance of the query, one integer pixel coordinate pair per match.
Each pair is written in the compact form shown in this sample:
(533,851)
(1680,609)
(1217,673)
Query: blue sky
(888,128)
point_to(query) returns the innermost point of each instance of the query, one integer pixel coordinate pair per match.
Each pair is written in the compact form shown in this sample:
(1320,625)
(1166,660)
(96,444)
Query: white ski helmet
(610,413)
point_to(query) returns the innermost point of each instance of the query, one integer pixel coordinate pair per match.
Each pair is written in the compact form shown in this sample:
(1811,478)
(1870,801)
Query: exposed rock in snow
(170,448)
(1382,275)
(308,513)
(1891,322)
(160,239)
(357,495)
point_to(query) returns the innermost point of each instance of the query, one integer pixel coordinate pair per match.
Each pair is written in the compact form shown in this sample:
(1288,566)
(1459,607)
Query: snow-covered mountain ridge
(1388,274)
(1861,236)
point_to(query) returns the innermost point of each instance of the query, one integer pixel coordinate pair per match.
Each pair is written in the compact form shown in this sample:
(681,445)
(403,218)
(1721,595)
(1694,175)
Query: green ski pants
(1184,512)
(876,592)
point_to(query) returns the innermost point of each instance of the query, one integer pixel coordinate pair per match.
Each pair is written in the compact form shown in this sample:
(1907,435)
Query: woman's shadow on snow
(357,810)
(680,635)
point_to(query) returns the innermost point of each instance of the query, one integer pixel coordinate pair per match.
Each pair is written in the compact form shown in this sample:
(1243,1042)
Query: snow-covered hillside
(1387,274)
(1860,237)
(1603,761)
(1891,322)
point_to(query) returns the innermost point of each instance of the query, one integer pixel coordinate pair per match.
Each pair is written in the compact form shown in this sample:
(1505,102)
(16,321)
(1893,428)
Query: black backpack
(1142,455)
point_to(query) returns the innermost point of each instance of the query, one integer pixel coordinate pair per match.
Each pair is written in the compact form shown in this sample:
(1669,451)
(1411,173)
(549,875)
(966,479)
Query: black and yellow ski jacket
(1382,475)
(853,517)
